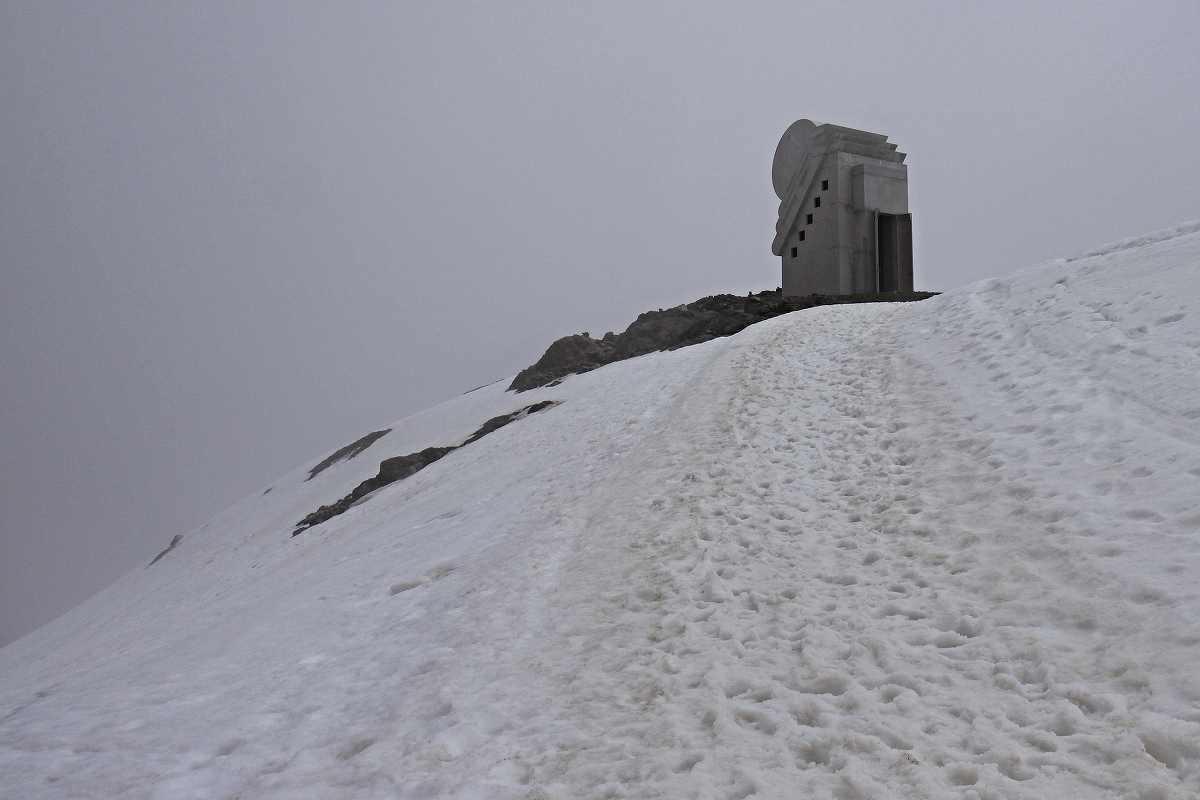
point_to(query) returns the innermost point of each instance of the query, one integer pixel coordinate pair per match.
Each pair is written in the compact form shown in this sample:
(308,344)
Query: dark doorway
(886,233)
(893,237)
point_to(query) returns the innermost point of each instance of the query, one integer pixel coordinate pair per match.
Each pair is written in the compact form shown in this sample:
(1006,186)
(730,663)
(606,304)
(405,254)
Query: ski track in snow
(940,550)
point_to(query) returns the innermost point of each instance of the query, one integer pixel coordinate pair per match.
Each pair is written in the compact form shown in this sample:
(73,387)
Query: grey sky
(235,236)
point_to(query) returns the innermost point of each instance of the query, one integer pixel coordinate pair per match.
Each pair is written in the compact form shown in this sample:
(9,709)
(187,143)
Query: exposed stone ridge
(348,452)
(672,328)
(178,538)
(401,467)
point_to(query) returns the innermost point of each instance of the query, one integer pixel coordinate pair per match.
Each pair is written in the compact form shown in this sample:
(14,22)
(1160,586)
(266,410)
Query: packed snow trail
(940,550)
(832,586)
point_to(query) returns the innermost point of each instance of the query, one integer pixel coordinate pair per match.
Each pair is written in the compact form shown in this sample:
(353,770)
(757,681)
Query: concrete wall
(879,185)
(817,267)
(838,254)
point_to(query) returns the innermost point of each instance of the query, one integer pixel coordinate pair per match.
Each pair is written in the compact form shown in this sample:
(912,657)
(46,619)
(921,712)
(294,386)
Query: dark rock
(401,467)
(390,471)
(495,423)
(672,328)
(568,356)
(346,453)
(178,538)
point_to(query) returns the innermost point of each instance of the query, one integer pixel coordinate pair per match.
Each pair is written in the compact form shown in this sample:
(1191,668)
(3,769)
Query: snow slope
(938,550)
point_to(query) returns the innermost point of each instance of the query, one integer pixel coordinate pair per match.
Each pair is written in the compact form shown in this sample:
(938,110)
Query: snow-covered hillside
(948,549)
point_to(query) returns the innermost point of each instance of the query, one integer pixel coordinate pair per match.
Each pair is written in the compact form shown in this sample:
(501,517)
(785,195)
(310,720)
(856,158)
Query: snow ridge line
(1139,241)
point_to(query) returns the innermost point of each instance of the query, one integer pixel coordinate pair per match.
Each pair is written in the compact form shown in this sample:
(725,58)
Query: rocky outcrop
(348,452)
(401,467)
(672,328)
(178,538)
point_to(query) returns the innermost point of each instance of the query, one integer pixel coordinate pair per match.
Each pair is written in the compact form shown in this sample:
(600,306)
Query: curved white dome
(791,153)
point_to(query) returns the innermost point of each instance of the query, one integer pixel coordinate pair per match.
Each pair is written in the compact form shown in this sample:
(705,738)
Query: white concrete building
(844,225)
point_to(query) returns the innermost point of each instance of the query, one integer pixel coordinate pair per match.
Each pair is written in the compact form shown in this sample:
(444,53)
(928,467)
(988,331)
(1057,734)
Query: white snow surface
(948,549)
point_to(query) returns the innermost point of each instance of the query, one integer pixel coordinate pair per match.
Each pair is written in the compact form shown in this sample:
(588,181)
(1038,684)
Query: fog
(235,237)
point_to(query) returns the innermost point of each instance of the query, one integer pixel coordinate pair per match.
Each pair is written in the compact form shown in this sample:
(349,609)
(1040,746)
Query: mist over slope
(947,549)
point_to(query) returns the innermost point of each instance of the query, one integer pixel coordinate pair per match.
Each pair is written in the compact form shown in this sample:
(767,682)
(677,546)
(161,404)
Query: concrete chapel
(844,225)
